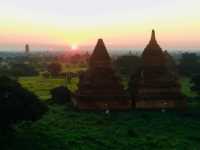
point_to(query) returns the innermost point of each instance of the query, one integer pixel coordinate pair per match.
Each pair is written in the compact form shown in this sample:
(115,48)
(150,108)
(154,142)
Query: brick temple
(155,85)
(99,87)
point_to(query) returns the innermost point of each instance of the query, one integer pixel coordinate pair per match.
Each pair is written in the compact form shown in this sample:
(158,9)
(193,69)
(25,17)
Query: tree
(189,64)
(127,65)
(5,70)
(196,82)
(61,95)
(17,104)
(54,69)
(21,69)
(75,59)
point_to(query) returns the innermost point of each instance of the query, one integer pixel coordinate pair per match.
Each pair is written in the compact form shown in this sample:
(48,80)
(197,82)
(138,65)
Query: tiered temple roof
(153,54)
(99,86)
(154,85)
(100,54)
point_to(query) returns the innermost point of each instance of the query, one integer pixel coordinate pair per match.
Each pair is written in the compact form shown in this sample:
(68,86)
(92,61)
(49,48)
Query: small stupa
(99,87)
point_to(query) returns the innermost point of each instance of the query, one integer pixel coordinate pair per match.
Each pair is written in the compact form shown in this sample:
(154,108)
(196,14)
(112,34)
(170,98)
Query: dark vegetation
(27,126)
(18,69)
(196,81)
(64,128)
(190,67)
(61,95)
(54,68)
(189,64)
(127,65)
(17,104)
(23,70)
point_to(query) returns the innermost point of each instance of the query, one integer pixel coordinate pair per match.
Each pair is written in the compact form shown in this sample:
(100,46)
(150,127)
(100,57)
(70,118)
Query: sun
(74,46)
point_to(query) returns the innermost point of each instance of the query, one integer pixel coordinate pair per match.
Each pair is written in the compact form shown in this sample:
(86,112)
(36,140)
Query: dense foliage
(54,68)
(63,128)
(127,65)
(18,69)
(189,64)
(17,104)
(61,95)
(23,70)
(196,81)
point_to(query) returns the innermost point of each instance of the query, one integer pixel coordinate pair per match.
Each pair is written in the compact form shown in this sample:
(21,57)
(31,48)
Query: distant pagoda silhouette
(27,49)
(155,86)
(99,87)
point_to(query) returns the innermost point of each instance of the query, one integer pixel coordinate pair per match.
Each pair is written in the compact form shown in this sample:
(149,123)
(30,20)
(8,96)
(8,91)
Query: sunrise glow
(74,47)
(123,24)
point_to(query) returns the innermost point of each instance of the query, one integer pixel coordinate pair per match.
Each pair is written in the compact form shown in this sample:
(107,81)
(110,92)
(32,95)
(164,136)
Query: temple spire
(100,44)
(153,37)
(153,54)
(100,52)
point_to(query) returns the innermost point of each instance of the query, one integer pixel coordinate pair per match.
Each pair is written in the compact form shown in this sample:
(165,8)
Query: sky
(64,24)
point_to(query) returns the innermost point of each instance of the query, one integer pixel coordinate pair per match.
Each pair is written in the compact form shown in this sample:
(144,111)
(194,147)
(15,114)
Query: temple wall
(105,104)
(155,104)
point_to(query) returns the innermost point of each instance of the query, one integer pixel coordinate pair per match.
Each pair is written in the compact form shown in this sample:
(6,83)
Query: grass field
(186,87)
(41,86)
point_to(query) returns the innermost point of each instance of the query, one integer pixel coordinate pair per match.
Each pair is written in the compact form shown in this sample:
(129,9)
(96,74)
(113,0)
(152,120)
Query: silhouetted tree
(189,64)
(127,65)
(61,95)
(17,104)
(5,71)
(196,82)
(75,59)
(21,69)
(54,69)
